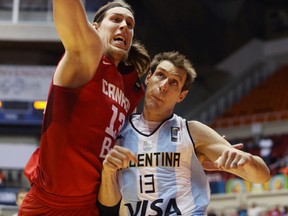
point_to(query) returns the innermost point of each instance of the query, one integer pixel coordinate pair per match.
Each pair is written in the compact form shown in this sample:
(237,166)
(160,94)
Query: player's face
(116,31)
(164,88)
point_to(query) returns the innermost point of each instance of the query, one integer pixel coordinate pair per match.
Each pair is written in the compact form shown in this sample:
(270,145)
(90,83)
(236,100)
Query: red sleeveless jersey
(79,128)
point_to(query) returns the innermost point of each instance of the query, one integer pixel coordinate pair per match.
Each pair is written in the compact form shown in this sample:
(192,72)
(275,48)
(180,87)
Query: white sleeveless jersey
(168,178)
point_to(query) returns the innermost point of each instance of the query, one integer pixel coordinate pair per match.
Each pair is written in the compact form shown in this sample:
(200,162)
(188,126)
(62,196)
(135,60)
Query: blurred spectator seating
(267,102)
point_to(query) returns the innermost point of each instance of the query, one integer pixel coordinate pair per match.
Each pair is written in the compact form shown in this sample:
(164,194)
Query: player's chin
(120,53)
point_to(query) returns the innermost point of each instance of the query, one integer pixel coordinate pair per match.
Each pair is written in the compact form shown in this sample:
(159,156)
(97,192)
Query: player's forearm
(70,17)
(109,192)
(257,171)
(254,170)
(109,196)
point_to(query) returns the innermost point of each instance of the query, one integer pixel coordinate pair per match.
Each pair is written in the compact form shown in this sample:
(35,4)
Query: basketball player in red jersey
(94,88)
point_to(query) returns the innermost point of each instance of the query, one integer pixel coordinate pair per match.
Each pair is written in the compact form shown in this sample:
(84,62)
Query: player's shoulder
(198,127)
(195,123)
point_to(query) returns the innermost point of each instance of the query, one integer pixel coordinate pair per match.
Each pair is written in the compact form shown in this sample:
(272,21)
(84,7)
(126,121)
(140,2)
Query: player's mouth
(120,40)
(158,98)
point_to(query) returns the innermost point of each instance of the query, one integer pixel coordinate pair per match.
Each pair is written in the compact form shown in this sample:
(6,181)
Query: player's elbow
(264,177)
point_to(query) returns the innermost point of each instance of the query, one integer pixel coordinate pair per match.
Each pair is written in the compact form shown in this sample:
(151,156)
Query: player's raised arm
(83,47)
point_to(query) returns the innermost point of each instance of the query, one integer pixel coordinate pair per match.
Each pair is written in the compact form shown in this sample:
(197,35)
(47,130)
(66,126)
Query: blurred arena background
(239,49)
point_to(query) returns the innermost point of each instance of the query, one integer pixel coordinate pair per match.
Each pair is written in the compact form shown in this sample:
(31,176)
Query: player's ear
(95,25)
(148,77)
(182,96)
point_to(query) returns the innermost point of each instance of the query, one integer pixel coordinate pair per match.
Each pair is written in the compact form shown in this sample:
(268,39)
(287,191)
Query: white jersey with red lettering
(168,178)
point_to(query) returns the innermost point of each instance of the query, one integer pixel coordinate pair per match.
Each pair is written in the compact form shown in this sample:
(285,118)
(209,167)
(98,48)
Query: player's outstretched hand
(211,166)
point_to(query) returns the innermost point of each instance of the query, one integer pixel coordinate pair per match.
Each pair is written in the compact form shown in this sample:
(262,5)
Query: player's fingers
(126,153)
(113,160)
(232,160)
(116,158)
(110,164)
(220,162)
(234,164)
(238,146)
(240,159)
(243,161)
(120,157)
(227,160)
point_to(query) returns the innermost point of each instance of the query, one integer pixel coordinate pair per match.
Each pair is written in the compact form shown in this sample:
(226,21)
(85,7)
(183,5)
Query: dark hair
(178,60)
(138,55)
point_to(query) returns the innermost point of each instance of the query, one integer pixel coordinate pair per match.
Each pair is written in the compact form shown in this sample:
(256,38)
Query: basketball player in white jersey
(157,168)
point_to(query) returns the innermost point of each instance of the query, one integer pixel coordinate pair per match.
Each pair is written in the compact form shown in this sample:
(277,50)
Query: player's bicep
(208,143)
